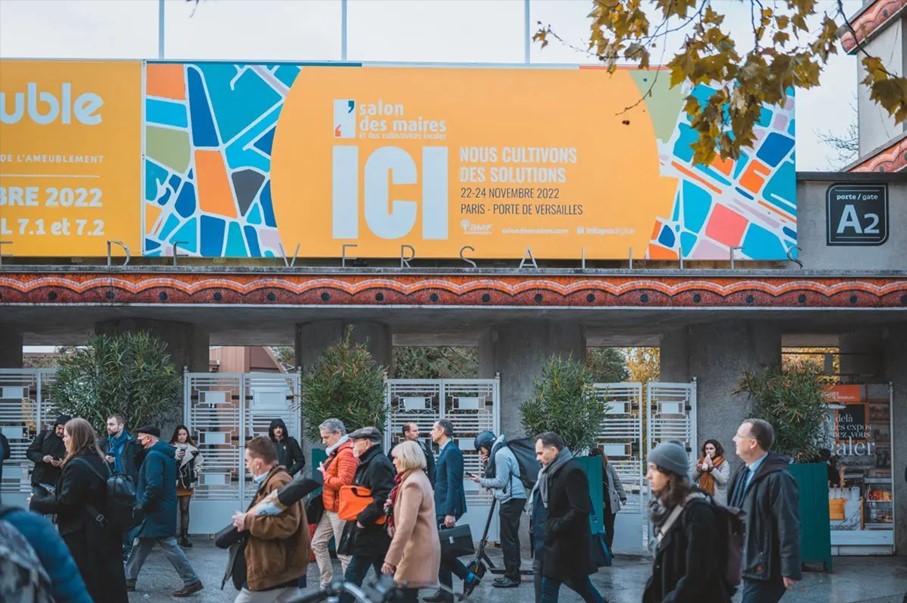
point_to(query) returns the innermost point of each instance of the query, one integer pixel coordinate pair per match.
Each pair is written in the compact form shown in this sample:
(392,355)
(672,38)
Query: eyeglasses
(743,437)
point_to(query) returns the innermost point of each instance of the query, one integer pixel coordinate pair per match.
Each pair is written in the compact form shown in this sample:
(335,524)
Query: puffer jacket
(771,503)
(339,470)
(277,552)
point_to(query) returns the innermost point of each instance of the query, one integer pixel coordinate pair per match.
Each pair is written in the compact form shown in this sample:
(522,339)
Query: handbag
(314,509)
(227,537)
(354,500)
(456,542)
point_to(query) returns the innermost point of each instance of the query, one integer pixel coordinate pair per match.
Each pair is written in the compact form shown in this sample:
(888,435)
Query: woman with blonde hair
(415,552)
(78,502)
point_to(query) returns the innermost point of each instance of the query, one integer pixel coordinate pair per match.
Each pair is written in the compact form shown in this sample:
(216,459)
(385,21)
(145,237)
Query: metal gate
(223,411)
(668,413)
(473,405)
(25,409)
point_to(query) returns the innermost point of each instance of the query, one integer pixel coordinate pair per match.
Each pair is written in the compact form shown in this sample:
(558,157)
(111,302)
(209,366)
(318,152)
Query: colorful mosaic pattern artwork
(208,134)
(748,205)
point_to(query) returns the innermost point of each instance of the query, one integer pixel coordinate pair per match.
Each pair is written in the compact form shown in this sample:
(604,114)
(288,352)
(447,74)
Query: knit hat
(671,457)
(149,430)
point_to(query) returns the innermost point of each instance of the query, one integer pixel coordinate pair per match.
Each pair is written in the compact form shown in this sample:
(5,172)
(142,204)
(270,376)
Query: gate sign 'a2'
(857,214)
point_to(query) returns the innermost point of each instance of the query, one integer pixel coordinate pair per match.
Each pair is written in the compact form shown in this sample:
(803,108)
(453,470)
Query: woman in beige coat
(415,551)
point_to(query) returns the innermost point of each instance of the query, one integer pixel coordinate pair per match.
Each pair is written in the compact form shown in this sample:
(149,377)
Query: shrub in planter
(128,373)
(346,383)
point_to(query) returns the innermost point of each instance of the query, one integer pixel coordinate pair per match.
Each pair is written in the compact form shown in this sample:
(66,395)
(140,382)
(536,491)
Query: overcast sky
(487,31)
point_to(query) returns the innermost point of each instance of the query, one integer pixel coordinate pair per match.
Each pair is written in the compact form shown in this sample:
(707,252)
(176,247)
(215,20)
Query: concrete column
(717,356)
(862,355)
(518,352)
(313,338)
(186,343)
(10,348)
(895,371)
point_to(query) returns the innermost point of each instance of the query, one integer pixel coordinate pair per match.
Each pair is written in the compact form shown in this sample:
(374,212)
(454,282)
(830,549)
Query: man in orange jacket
(338,470)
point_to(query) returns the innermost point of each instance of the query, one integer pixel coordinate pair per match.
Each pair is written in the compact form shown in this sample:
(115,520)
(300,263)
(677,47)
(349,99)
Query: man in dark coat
(365,539)
(289,453)
(47,452)
(120,449)
(450,505)
(766,490)
(5,454)
(155,505)
(566,552)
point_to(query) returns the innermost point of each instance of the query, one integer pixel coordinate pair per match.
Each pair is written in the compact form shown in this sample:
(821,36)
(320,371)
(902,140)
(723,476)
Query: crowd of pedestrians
(385,510)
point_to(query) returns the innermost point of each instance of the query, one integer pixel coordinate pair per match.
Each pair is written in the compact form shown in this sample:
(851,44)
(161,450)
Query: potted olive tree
(564,401)
(791,399)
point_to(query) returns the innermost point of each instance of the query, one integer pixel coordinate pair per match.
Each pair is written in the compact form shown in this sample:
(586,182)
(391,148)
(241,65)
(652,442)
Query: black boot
(184,540)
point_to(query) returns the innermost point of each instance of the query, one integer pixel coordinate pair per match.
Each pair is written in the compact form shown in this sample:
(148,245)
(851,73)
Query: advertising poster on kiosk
(861,501)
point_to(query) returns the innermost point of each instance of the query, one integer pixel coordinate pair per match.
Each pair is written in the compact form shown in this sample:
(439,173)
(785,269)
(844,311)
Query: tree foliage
(346,383)
(607,365)
(644,364)
(564,401)
(441,362)
(791,399)
(128,373)
(792,42)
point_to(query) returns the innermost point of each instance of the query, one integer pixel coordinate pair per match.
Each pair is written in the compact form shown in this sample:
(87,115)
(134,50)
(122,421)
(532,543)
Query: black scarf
(658,512)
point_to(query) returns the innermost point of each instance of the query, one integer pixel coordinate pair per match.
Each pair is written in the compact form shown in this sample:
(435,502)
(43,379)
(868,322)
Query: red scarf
(392,500)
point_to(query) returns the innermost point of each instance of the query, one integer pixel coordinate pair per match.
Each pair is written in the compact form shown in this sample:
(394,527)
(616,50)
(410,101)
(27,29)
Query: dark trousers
(451,565)
(609,528)
(357,570)
(763,591)
(511,511)
(581,584)
(409,595)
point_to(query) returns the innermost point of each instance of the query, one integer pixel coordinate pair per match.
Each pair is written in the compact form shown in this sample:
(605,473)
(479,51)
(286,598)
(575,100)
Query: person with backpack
(689,565)
(53,559)
(190,465)
(155,507)
(79,502)
(502,475)
(47,451)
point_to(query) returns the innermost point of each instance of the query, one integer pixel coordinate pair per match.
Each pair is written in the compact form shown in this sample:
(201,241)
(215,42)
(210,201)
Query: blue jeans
(763,591)
(174,553)
(581,584)
(358,569)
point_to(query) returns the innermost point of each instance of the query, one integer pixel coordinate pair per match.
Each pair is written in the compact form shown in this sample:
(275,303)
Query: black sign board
(857,214)
(852,422)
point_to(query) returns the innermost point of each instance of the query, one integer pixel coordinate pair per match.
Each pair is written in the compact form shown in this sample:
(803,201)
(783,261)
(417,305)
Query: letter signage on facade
(857,214)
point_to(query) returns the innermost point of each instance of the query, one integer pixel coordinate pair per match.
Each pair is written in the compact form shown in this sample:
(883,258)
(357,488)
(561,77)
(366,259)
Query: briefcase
(456,541)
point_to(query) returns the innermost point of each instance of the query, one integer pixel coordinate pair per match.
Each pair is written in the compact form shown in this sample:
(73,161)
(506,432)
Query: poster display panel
(70,148)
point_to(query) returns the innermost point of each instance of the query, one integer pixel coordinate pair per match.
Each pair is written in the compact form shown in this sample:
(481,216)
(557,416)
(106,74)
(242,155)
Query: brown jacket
(339,471)
(415,549)
(278,548)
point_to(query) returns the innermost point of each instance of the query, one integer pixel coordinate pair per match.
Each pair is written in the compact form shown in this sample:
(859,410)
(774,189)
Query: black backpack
(119,501)
(524,451)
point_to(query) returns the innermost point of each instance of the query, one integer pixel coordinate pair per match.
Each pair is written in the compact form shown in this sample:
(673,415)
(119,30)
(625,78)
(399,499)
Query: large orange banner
(69,156)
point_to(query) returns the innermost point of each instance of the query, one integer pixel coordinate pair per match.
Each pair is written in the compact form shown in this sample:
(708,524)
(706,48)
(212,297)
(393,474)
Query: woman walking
(189,466)
(415,552)
(689,564)
(79,498)
(712,472)
(613,495)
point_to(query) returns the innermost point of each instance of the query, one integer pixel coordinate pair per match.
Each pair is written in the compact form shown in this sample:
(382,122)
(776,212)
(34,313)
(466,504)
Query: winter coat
(689,561)
(189,467)
(5,453)
(506,482)
(538,518)
(339,470)
(289,453)
(156,493)
(129,455)
(46,442)
(96,550)
(66,582)
(449,496)
(567,550)
(277,552)
(721,475)
(615,494)
(415,549)
(376,473)
(771,503)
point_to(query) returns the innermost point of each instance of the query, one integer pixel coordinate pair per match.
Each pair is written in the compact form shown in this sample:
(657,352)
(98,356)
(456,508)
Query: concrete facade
(187,343)
(10,348)
(518,352)
(876,126)
(313,338)
(717,355)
